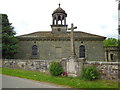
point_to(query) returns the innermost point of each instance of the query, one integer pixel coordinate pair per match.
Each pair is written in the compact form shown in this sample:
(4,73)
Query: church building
(56,44)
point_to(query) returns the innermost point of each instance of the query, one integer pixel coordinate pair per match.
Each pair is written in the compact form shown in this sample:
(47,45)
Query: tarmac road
(16,82)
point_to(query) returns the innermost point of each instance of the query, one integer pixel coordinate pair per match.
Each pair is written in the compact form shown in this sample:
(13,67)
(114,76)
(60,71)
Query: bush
(55,69)
(90,73)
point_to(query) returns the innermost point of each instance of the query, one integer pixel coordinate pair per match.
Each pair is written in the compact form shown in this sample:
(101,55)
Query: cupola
(59,21)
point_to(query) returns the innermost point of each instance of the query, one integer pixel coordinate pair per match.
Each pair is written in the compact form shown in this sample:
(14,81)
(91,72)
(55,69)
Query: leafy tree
(9,41)
(119,29)
(0,36)
(111,42)
(119,42)
(119,5)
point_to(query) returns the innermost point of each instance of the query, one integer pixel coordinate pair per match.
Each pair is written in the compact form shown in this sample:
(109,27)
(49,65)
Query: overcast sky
(93,16)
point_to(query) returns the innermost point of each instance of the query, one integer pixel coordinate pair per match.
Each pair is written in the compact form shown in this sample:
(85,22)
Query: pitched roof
(49,34)
(59,10)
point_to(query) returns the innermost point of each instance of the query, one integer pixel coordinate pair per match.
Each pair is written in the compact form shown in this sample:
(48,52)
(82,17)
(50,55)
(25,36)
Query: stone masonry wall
(47,50)
(32,65)
(108,70)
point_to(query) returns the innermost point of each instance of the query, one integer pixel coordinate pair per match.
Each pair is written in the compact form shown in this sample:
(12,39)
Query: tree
(111,42)
(9,41)
(119,42)
(119,5)
(119,30)
(0,36)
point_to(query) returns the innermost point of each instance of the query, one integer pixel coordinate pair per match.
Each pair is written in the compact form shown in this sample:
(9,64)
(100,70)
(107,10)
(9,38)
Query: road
(16,82)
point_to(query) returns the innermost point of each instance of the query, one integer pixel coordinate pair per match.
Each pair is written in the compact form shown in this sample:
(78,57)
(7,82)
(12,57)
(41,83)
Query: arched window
(34,50)
(111,56)
(82,51)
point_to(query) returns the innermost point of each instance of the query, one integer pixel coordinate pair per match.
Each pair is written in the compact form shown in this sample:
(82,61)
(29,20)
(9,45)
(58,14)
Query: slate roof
(49,34)
(59,10)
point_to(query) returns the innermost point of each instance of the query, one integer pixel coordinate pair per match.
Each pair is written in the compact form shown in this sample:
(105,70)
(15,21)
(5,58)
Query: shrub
(55,69)
(90,73)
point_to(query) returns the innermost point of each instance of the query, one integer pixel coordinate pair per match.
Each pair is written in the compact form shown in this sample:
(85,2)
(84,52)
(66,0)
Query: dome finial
(59,4)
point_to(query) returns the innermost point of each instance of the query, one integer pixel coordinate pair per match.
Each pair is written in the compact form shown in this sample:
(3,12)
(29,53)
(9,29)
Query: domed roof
(59,10)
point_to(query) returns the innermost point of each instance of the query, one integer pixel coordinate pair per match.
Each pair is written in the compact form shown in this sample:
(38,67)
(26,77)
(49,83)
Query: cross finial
(59,4)
(72,27)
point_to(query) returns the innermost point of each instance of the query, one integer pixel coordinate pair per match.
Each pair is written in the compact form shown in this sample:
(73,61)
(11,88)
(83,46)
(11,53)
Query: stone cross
(72,40)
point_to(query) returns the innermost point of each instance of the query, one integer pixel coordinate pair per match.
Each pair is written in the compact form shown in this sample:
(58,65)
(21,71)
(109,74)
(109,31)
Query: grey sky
(93,16)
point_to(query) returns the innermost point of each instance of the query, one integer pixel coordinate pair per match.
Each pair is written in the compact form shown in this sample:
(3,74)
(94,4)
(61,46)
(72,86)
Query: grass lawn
(65,81)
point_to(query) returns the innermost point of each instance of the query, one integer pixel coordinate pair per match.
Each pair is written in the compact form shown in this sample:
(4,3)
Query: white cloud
(93,16)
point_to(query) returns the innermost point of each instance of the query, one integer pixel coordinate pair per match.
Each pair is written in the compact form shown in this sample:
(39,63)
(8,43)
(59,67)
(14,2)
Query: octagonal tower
(59,21)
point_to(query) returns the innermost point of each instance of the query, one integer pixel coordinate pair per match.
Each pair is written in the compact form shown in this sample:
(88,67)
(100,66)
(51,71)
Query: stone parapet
(108,70)
(101,63)
(32,65)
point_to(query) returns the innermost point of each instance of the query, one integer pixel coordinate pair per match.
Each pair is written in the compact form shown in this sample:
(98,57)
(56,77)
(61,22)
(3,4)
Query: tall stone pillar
(64,20)
(56,20)
(53,21)
(61,19)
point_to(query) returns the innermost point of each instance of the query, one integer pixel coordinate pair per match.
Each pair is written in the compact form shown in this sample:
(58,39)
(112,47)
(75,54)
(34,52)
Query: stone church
(55,44)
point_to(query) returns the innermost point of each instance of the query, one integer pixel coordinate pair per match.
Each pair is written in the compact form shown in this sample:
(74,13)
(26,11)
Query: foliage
(118,42)
(111,42)
(0,36)
(119,25)
(119,6)
(55,69)
(64,81)
(90,73)
(9,41)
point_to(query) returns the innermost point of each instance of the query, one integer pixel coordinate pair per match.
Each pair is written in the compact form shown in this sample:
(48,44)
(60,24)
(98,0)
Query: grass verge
(65,81)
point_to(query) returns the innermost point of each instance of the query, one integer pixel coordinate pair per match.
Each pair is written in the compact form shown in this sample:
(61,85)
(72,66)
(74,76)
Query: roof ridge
(49,33)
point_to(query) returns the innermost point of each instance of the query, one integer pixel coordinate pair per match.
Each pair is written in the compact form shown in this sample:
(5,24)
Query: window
(59,29)
(82,51)
(111,56)
(34,50)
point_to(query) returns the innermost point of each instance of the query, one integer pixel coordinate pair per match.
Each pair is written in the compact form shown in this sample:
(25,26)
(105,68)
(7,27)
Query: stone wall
(32,65)
(112,53)
(47,50)
(108,70)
